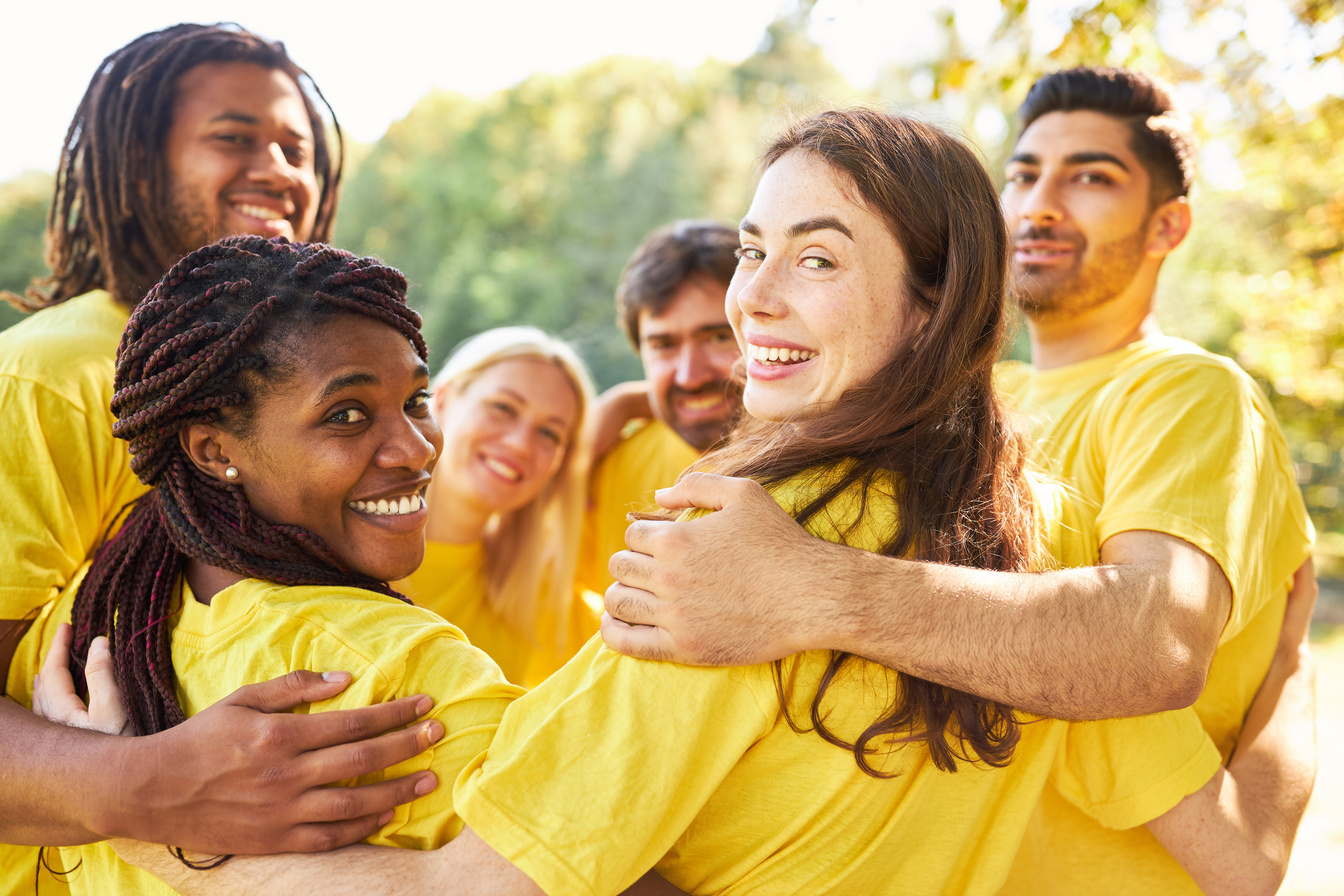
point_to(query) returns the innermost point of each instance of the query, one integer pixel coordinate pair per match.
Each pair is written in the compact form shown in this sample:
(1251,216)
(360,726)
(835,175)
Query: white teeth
(502,469)
(778,355)
(259,211)
(394,507)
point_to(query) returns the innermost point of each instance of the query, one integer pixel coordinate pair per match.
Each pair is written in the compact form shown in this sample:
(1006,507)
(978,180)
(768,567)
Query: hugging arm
(467,866)
(1235,834)
(747,585)
(243,776)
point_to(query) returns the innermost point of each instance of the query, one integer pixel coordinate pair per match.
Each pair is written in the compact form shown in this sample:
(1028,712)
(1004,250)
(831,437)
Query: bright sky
(374,60)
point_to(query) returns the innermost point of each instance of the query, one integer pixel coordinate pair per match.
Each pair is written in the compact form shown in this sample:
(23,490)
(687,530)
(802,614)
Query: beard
(1093,280)
(191,225)
(702,434)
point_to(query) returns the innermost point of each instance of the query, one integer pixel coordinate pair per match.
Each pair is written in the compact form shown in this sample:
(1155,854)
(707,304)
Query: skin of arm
(1235,834)
(467,866)
(243,776)
(746,584)
(11,633)
(615,408)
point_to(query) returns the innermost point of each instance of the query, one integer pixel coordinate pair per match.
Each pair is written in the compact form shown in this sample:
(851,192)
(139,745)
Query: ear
(1167,226)
(438,402)
(207,446)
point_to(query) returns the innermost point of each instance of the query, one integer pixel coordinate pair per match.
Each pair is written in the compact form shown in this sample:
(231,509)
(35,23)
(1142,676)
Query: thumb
(708,491)
(288,691)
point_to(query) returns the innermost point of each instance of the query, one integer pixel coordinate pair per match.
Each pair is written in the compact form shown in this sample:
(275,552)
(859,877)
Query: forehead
(801,185)
(214,90)
(1060,135)
(343,346)
(537,381)
(695,305)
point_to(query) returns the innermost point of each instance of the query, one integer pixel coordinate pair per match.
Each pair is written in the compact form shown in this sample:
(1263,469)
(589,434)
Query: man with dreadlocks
(184,135)
(275,398)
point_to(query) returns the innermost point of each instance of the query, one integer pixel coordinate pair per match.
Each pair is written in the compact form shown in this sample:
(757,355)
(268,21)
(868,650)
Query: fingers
(645,642)
(364,757)
(709,491)
(341,804)
(288,691)
(54,696)
(107,710)
(1301,605)
(632,567)
(632,606)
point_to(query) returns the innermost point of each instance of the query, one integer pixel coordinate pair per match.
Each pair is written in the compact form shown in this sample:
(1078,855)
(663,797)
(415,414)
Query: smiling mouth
(778,356)
(259,211)
(406,504)
(502,469)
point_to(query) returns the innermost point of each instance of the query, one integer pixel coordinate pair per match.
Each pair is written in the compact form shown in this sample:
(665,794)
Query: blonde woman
(507,498)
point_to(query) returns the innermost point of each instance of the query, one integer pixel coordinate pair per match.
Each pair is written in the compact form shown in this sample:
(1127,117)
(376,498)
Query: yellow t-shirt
(451,581)
(255,630)
(615,765)
(62,474)
(649,456)
(1164,436)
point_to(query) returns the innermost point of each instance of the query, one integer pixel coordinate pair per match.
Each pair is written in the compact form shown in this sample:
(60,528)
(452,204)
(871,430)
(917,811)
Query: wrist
(121,803)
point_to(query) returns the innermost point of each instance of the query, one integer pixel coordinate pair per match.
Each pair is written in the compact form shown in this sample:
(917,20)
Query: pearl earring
(230,473)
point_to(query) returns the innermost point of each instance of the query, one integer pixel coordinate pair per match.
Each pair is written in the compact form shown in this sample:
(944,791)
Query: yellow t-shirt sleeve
(1192,450)
(1126,772)
(594,775)
(59,466)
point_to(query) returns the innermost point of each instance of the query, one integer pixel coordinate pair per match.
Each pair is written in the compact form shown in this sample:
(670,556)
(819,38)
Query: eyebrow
(243,118)
(1078,158)
(519,397)
(363,378)
(811,225)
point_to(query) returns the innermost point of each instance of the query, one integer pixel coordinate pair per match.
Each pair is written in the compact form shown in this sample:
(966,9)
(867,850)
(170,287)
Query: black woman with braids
(184,136)
(275,398)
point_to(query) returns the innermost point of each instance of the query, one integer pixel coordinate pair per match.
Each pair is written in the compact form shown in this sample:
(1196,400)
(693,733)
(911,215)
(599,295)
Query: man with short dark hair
(670,303)
(184,136)
(1199,517)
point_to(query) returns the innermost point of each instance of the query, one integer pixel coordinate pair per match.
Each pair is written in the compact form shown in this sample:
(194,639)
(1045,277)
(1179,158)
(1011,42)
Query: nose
(1040,205)
(759,297)
(520,438)
(270,166)
(693,368)
(413,443)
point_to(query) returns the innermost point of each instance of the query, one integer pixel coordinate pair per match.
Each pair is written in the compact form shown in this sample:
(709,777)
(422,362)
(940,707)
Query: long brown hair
(929,420)
(107,227)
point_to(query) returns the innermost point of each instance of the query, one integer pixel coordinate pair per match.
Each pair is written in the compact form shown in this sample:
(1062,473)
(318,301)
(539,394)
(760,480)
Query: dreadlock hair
(928,422)
(210,338)
(107,226)
(1158,133)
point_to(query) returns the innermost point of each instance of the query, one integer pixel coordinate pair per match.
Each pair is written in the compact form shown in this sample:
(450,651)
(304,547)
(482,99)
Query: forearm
(1086,643)
(58,782)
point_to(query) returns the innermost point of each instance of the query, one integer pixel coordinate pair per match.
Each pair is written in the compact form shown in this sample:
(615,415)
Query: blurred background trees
(523,205)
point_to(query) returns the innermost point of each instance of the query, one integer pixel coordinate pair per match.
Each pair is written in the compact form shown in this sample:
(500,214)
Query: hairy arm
(243,776)
(467,866)
(747,585)
(1235,834)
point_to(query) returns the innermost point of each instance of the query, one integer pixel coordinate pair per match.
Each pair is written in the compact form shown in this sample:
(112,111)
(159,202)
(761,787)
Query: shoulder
(862,514)
(1169,360)
(68,348)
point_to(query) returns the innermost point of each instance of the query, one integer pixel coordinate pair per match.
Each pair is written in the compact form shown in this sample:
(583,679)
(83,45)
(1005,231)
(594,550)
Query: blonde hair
(531,552)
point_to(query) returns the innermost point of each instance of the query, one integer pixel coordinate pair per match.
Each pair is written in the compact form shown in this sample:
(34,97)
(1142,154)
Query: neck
(453,519)
(206,581)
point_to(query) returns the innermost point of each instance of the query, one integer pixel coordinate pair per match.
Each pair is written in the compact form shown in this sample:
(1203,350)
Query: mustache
(717,387)
(1046,233)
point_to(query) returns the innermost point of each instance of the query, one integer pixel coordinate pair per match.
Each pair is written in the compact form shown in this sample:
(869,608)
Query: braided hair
(107,226)
(203,345)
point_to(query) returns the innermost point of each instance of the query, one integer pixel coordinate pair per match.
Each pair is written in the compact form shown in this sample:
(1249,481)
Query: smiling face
(239,156)
(817,300)
(688,352)
(344,446)
(1078,205)
(507,431)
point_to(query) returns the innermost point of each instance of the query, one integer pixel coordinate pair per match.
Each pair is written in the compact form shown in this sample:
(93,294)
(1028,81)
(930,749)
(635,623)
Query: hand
(246,776)
(54,696)
(613,409)
(716,590)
